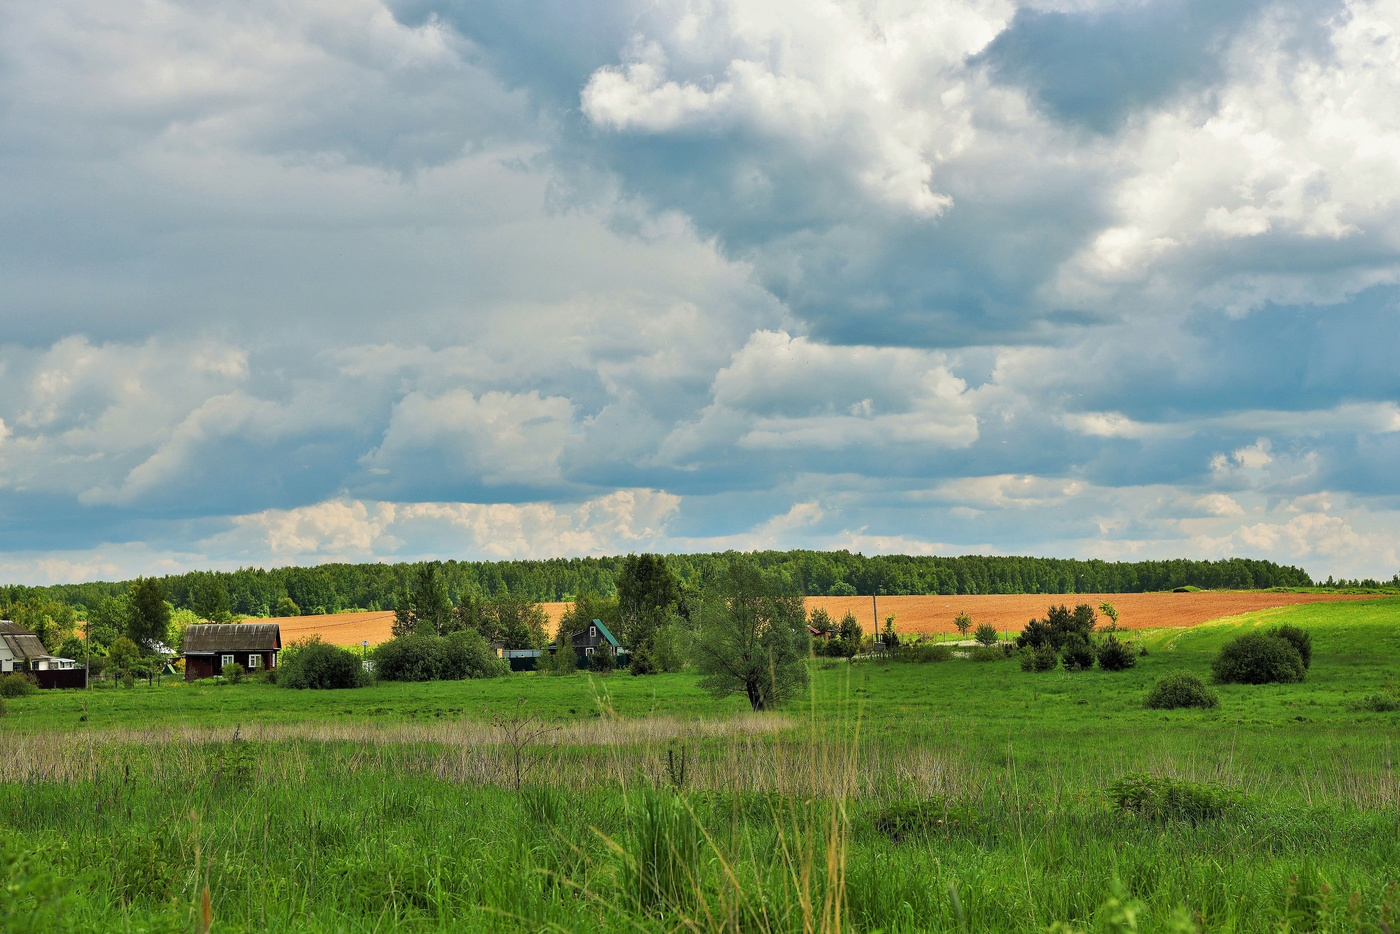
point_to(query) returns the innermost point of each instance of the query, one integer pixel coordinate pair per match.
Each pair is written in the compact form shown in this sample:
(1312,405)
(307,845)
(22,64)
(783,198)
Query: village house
(211,646)
(590,640)
(21,650)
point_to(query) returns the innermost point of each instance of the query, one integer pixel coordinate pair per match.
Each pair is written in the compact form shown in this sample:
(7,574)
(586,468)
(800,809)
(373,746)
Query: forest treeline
(329,588)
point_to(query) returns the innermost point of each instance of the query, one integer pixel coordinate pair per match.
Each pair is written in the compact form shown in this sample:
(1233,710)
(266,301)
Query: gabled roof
(202,638)
(20,641)
(606,633)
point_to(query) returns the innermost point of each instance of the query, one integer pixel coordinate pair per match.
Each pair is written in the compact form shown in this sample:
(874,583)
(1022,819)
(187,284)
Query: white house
(21,650)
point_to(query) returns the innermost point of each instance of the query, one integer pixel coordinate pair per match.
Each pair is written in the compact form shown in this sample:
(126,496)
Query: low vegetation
(1259,658)
(876,796)
(1180,689)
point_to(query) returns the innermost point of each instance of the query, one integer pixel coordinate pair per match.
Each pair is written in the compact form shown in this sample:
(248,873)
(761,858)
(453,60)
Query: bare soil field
(1009,612)
(924,615)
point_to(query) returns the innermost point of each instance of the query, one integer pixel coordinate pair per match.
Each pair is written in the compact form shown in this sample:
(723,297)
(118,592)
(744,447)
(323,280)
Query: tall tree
(149,621)
(211,600)
(424,607)
(647,594)
(515,622)
(753,640)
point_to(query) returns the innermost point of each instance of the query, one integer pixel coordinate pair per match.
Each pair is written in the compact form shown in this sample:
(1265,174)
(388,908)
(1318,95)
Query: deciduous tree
(752,639)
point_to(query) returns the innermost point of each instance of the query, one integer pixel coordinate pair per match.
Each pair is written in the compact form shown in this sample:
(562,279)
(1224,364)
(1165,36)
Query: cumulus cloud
(379,280)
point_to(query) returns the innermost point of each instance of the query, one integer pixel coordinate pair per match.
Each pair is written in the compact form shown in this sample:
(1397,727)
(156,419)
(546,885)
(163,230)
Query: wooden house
(21,650)
(211,646)
(590,640)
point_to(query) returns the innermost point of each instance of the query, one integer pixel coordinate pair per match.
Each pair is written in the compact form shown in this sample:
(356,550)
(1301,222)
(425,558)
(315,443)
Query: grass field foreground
(898,797)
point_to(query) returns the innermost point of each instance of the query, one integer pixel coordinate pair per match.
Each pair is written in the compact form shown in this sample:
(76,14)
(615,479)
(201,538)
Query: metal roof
(202,638)
(607,633)
(20,641)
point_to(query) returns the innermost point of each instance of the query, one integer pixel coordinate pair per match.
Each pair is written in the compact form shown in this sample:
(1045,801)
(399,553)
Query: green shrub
(562,661)
(985,653)
(1078,654)
(641,663)
(2,707)
(1115,655)
(1027,659)
(1168,799)
(940,817)
(602,660)
(924,652)
(318,665)
(233,673)
(1300,639)
(1258,658)
(453,657)
(1045,658)
(1180,689)
(1379,703)
(19,684)
(986,634)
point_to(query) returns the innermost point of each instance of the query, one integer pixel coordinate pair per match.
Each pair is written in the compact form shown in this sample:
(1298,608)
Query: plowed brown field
(913,615)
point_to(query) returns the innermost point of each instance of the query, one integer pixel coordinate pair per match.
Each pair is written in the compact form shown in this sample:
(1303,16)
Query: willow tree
(752,639)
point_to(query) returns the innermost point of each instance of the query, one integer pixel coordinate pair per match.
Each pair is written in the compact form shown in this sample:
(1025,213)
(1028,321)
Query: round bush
(1045,658)
(315,664)
(19,684)
(1180,689)
(1115,656)
(1258,658)
(1300,639)
(233,673)
(437,658)
(1078,654)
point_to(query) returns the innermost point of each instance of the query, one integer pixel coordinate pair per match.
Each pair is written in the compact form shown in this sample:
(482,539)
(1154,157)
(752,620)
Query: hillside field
(926,615)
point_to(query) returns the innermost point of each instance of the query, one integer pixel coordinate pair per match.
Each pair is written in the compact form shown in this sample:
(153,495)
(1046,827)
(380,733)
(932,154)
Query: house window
(253,660)
(588,651)
(592,632)
(226,660)
(274,660)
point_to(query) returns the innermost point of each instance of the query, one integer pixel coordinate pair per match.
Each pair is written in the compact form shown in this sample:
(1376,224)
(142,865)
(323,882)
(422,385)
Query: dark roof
(21,642)
(232,637)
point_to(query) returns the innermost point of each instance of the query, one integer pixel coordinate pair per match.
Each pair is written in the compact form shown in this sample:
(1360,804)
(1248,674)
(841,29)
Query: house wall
(207,666)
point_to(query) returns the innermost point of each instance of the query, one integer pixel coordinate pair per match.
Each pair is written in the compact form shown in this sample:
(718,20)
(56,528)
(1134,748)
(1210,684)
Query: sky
(381,280)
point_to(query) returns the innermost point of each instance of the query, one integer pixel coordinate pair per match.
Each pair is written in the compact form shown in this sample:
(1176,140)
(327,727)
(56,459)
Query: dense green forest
(332,587)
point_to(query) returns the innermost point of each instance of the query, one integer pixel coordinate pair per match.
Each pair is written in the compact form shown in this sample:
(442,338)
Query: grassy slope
(325,839)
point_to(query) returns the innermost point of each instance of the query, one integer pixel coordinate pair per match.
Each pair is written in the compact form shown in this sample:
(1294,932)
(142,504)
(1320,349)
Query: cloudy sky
(310,280)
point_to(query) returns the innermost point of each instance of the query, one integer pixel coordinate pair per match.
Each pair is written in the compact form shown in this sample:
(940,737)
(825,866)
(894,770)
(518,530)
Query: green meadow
(956,795)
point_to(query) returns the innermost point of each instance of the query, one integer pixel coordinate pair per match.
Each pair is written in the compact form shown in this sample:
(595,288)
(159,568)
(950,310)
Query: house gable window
(592,632)
(225,660)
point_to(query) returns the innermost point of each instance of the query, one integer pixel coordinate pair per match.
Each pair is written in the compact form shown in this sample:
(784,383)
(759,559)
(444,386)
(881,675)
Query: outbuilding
(211,646)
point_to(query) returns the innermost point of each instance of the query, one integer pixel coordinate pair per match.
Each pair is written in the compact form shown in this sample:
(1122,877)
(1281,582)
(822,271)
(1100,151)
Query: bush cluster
(233,673)
(437,658)
(1300,639)
(1115,656)
(1180,689)
(1167,799)
(1380,703)
(1259,658)
(19,684)
(318,665)
(1078,654)
(924,652)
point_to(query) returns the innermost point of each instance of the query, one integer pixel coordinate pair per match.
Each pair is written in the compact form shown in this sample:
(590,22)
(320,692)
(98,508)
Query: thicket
(1180,689)
(1300,639)
(1258,658)
(1115,656)
(317,665)
(454,657)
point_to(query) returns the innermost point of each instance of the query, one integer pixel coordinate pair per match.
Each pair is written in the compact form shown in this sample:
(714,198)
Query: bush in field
(1059,625)
(1258,658)
(1300,639)
(1180,689)
(19,684)
(1045,658)
(641,663)
(963,622)
(318,665)
(1115,656)
(437,658)
(986,653)
(233,673)
(1379,703)
(925,652)
(986,634)
(1078,654)
(1169,799)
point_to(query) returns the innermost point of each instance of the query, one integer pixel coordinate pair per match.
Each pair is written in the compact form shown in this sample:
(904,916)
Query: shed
(211,646)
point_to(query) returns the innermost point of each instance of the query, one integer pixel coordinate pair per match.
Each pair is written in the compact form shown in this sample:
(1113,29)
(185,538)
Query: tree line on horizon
(328,588)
